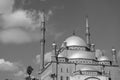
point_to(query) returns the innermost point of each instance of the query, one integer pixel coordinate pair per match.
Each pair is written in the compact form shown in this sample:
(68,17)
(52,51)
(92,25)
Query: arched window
(61,70)
(67,70)
(67,78)
(61,77)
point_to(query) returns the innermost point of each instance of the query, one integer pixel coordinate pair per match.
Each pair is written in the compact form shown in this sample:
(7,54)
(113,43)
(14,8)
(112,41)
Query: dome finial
(73,32)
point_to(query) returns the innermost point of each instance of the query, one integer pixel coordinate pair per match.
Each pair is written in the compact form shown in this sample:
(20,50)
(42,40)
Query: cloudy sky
(20,34)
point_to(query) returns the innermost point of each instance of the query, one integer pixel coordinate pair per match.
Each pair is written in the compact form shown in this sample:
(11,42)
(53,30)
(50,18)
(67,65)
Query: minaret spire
(42,42)
(87,33)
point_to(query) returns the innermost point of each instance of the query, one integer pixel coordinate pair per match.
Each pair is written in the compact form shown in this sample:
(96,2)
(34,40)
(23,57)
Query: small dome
(88,69)
(103,58)
(75,41)
(60,55)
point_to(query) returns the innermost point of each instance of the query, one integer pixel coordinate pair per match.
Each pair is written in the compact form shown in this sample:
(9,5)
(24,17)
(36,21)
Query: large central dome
(75,41)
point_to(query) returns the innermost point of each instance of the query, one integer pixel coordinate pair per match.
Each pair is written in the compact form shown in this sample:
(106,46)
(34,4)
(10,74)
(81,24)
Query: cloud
(16,70)
(20,75)
(7,66)
(21,26)
(6,6)
(47,58)
(21,18)
(98,53)
(26,2)
(18,36)
(18,26)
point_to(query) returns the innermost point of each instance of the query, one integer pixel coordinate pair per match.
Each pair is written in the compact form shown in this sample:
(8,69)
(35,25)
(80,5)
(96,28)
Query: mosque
(76,59)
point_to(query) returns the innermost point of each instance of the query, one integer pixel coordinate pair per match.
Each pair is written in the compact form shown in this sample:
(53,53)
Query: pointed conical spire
(42,42)
(87,33)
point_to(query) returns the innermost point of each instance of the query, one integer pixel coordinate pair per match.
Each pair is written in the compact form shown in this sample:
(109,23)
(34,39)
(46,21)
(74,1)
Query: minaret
(54,51)
(55,64)
(87,33)
(114,56)
(42,42)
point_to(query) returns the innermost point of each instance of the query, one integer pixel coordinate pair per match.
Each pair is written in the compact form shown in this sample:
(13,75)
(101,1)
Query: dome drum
(88,69)
(103,58)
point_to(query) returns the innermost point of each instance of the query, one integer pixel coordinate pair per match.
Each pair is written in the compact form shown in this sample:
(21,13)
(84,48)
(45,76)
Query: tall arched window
(61,77)
(67,78)
(61,70)
(67,70)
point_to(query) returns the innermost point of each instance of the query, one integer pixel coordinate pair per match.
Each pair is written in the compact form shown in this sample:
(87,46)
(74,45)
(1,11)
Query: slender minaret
(88,33)
(55,64)
(42,42)
(114,56)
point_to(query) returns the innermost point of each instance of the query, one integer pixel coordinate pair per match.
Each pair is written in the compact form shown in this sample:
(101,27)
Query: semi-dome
(88,69)
(103,58)
(75,41)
